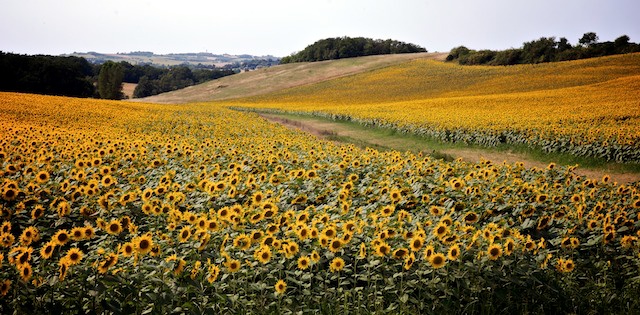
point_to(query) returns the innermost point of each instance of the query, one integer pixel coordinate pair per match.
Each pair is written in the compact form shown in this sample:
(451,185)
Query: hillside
(278,78)
(583,108)
(429,79)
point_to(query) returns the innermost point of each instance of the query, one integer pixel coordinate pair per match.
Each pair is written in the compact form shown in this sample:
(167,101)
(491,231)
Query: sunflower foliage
(111,207)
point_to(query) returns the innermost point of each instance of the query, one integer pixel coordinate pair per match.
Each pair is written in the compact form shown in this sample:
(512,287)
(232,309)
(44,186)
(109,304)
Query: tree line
(76,77)
(545,49)
(347,47)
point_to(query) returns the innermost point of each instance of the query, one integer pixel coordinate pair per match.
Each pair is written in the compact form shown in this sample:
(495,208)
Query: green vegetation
(75,76)
(68,76)
(110,81)
(347,47)
(152,81)
(545,49)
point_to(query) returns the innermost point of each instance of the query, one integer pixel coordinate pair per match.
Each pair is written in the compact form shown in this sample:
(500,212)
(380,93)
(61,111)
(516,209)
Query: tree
(621,43)
(110,81)
(563,44)
(541,50)
(144,88)
(588,39)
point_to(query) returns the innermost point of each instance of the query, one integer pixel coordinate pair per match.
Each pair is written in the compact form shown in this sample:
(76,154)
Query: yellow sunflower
(494,251)
(337,264)
(437,260)
(280,287)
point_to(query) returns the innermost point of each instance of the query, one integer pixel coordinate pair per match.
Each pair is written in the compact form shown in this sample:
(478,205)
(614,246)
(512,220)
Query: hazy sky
(280,27)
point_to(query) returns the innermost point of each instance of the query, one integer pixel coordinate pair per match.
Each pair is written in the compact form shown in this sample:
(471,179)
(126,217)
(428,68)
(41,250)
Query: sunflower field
(115,207)
(587,108)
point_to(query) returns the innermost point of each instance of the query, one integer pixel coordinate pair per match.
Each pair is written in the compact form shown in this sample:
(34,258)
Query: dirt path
(340,131)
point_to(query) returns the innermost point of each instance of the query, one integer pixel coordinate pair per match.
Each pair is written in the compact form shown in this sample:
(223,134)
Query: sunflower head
(280,287)
(337,264)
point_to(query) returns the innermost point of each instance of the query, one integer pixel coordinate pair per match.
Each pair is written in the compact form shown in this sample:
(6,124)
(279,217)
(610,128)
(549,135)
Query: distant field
(585,108)
(278,78)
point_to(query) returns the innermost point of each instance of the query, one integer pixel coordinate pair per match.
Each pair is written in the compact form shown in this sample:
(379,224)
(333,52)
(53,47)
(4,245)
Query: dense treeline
(67,76)
(545,49)
(347,47)
(75,76)
(152,81)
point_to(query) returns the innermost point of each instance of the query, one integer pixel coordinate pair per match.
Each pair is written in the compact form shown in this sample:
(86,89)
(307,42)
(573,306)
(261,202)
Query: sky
(282,27)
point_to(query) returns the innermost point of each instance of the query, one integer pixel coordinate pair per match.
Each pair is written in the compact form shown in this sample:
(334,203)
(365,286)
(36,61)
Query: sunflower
(569,265)
(77,233)
(436,211)
(25,272)
(64,267)
(543,222)
(143,244)
(242,242)
(409,260)
(437,260)
(303,233)
(304,262)
(428,252)
(494,251)
(233,265)
(335,245)
(109,262)
(441,230)
(29,235)
(10,194)
(337,264)
(395,195)
(179,267)
(383,249)
(42,177)
(470,217)
(127,249)
(329,232)
(114,227)
(362,254)
(454,252)
(185,233)
(387,211)
(47,250)
(74,256)
(400,253)
(214,271)
(61,237)
(292,249)
(4,287)
(542,198)
(263,254)
(315,257)
(23,256)
(280,287)
(64,209)
(37,212)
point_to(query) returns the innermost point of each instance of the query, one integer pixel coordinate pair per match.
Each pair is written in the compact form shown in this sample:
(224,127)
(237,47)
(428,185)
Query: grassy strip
(390,139)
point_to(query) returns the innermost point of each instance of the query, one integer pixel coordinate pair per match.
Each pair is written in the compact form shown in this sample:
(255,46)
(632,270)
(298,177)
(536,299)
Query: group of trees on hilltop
(174,78)
(346,47)
(545,49)
(75,76)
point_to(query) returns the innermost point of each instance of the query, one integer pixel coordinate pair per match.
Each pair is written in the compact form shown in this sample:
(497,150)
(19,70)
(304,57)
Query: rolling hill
(277,78)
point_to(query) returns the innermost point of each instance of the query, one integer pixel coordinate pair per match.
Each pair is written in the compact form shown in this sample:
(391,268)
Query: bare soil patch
(128,88)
